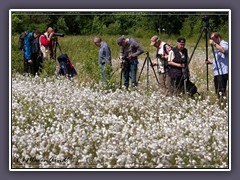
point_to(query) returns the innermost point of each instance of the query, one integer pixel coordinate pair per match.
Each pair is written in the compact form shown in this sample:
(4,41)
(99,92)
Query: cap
(119,40)
(181,40)
(153,40)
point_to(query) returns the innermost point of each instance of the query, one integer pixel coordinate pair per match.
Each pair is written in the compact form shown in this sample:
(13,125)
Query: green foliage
(139,24)
(193,25)
(16,22)
(17,59)
(17,62)
(62,26)
(48,68)
(97,25)
(112,29)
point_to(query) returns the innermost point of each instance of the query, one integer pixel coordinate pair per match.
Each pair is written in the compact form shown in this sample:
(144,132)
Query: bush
(48,68)
(112,29)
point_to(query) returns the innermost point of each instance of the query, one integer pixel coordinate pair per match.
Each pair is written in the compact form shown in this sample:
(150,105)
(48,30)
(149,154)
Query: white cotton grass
(59,124)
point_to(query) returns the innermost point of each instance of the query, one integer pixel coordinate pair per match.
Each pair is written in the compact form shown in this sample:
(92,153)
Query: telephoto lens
(58,34)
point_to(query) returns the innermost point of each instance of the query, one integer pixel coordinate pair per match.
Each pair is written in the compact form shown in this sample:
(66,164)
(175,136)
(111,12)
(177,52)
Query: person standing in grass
(46,43)
(221,68)
(129,52)
(162,53)
(31,53)
(104,57)
(178,61)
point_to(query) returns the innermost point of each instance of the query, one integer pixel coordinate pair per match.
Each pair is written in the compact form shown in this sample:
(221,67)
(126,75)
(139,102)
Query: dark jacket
(180,59)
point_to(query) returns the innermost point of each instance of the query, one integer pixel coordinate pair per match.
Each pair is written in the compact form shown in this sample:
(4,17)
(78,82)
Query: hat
(153,40)
(120,39)
(181,40)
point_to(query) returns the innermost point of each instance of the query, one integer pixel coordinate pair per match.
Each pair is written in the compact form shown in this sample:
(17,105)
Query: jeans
(102,72)
(130,69)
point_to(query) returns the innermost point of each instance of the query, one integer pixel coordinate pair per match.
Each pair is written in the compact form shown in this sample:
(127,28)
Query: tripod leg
(206,41)
(154,70)
(147,72)
(196,44)
(121,74)
(142,69)
(59,47)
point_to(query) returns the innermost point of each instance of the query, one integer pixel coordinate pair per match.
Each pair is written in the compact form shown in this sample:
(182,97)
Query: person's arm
(171,58)
(44,41)
(176,64)
(139,50)
(218,46)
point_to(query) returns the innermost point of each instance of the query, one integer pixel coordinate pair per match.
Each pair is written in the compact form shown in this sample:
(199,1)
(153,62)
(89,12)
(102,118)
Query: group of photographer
(36,48)
(172,63)
(173,66)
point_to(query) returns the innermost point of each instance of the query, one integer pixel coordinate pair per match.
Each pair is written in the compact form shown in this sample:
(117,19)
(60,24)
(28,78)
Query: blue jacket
(104,54)
(28,46)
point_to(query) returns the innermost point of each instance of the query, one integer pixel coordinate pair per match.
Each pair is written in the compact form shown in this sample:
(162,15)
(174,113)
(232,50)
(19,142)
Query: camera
(159,56)
(58,34)
(205,18)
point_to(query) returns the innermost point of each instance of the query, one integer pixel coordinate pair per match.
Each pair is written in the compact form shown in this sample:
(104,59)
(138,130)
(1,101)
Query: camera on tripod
(124,59)
(205,18)
(58,34)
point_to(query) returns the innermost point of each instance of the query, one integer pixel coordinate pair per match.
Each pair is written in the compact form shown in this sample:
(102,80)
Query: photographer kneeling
(66,67)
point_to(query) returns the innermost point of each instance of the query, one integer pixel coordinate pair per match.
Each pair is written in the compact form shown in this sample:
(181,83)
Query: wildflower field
(78,123)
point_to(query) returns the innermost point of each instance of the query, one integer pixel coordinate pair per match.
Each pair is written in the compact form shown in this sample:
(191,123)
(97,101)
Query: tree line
(138,24)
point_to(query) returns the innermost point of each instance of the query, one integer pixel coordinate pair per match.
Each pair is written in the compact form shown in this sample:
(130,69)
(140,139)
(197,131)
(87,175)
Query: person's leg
(172,86)
(225,80)
(25,64)
(30,66)
(102,72)
(179,85)
(168,83)
(161,82)
(126,75)
(133,71)
(219,87)
(35,64)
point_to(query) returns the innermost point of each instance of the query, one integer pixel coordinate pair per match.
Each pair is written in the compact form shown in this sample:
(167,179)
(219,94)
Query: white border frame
(116,10)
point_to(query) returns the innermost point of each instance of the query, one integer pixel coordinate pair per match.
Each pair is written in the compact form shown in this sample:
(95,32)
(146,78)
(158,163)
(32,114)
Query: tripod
(207,35)
(56,44)
(148,60)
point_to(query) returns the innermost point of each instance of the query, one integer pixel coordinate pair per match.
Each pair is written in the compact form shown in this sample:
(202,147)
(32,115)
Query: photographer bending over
(129,52)
(162,53)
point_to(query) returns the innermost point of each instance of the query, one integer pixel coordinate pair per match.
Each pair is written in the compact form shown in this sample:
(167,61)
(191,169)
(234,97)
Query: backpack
(35,45)
(191,88)
(21,40)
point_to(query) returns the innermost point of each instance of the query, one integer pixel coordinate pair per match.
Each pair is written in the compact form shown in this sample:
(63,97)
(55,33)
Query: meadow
(81,123)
